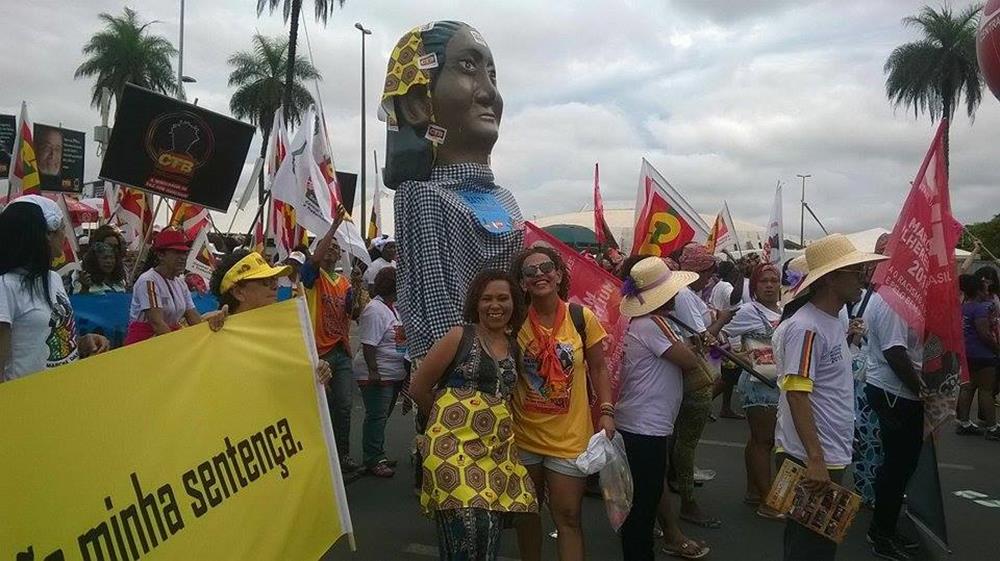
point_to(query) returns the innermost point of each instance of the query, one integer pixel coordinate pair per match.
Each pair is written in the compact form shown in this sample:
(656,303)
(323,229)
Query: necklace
(484,343)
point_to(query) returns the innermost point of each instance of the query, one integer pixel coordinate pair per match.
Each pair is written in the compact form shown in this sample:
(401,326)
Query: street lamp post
(802,211)
(180,59)
(364,224)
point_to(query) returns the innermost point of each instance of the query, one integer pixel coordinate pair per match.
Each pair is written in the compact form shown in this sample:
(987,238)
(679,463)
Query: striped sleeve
(147,294)
(801,357)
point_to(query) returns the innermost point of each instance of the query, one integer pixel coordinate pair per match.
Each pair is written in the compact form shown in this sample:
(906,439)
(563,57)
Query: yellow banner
(190,446)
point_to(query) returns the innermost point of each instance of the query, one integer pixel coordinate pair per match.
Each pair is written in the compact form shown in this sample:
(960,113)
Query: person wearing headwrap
(696,405)
(37,324)
(442,111)
(386,248)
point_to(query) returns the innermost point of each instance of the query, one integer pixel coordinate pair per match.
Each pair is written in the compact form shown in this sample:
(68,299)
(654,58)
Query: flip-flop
(731,416)
(752,501)
(709,523)
(688,550)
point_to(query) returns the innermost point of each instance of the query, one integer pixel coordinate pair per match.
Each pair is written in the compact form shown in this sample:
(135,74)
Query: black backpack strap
(576,314)
(864,304)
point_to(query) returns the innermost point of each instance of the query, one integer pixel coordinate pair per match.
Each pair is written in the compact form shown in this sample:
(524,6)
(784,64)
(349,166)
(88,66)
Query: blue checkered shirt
(442,246)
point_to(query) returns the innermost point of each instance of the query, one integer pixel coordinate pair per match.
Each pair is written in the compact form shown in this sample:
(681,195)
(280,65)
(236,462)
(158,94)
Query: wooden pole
(145,242)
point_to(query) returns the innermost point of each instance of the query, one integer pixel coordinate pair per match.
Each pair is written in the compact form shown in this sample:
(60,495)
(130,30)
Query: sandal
(382,469)
(707,522)
(731,415)
(768,514)
(690,549)
(750,500)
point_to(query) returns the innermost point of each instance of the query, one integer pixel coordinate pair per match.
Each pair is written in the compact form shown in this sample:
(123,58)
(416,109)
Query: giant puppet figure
(442,111)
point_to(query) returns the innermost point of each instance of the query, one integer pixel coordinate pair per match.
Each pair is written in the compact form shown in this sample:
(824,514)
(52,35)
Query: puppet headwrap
(414,65)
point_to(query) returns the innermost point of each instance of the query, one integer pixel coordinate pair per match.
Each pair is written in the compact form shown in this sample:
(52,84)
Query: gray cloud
(724,98)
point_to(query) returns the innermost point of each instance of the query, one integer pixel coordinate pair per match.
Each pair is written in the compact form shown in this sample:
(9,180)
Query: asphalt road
(388,524)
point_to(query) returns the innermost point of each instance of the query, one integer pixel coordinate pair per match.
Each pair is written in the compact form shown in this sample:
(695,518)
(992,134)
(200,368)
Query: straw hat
(650,285)
(829,254)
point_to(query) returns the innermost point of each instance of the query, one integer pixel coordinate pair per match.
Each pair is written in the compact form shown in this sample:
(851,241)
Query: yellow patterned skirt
(470,460)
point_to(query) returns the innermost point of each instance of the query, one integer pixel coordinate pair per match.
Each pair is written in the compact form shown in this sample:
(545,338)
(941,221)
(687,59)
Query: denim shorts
(562,466)
(757,394)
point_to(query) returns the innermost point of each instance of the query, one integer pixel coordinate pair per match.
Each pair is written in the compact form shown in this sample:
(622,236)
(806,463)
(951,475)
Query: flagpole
(145,242)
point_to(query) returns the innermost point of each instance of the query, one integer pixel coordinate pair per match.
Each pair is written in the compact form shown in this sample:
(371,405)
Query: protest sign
(224,452)
(8,130)
(60,154)
(176,149)
(595,288)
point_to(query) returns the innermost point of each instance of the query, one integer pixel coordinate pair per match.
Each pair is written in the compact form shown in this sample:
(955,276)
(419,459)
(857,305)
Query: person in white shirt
(894,354)
(386,248)
(815,426)
(380,368)
(750,331)
(37,326)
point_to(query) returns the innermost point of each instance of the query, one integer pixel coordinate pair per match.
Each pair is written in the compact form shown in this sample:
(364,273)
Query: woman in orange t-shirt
(552,414)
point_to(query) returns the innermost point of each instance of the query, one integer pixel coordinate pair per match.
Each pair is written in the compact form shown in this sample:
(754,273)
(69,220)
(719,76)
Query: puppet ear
(415,107)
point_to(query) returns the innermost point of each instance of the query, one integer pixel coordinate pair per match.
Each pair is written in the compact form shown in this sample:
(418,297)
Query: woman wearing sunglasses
(563,354)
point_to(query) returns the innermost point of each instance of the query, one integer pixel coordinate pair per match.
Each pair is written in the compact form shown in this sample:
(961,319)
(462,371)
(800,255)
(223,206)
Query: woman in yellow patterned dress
(473,481)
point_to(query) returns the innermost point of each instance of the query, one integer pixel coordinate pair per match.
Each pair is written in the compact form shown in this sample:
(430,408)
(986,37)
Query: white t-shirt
(811,354)
(651,386)
(379,326)
(151,290)
(373,270)
(751,330)
(723,291)
(886,330)
(41,335)
(692,310)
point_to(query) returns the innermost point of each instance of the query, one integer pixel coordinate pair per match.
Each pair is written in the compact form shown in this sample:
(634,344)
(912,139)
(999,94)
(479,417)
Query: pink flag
(919,281)
(594,288)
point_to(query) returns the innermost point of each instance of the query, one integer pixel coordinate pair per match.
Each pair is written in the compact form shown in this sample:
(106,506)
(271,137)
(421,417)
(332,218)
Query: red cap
(171,238)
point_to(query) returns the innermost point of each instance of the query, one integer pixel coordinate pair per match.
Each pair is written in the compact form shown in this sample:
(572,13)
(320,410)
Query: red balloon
(988,45)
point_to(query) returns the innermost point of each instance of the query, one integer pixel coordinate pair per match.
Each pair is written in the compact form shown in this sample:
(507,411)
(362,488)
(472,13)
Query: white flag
(774,247)
(299,181)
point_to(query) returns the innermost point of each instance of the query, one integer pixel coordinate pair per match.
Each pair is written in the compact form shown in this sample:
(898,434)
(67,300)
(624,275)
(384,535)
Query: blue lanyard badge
(488,211)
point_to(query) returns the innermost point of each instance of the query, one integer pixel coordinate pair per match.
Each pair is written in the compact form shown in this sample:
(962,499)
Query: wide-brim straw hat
(650,285)
(828,254)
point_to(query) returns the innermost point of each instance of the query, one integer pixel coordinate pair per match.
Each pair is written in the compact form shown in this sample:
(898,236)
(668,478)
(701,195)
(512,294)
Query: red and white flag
(665,222)
(200,260)
(604,236)
(24,178)
(774,245)
(287,233)
(69,259)
(919,281)
(190,218)
(135,213)
(723,234)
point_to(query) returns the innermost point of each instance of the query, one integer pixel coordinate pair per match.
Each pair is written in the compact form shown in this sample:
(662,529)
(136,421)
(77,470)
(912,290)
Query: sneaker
(970,429)
(886,548)
(703,475)
(993,433)
(349,464)
(902,542)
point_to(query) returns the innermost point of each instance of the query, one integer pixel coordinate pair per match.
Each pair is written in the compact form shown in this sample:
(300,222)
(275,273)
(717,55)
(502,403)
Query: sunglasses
(543,268)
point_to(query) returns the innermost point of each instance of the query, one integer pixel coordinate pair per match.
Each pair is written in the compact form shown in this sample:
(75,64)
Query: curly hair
(384,284)
(215,284)
(476,288)
(93,268)
(518,264)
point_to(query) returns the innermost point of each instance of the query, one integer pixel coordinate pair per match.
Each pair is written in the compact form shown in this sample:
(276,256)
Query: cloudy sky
(724,98)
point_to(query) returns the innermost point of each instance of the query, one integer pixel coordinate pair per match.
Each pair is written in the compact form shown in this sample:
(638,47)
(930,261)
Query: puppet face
(466,100)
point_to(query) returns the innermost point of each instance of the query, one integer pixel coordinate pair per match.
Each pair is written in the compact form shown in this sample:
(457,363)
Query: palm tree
(125,52)
(290,9)
(931,75)
(260,76)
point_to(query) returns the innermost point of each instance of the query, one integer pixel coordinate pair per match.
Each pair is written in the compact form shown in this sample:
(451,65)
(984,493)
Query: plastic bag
(608,457)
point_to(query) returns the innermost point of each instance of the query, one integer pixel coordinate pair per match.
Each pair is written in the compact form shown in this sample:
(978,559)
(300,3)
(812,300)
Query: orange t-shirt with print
(555,421)
(330,306)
